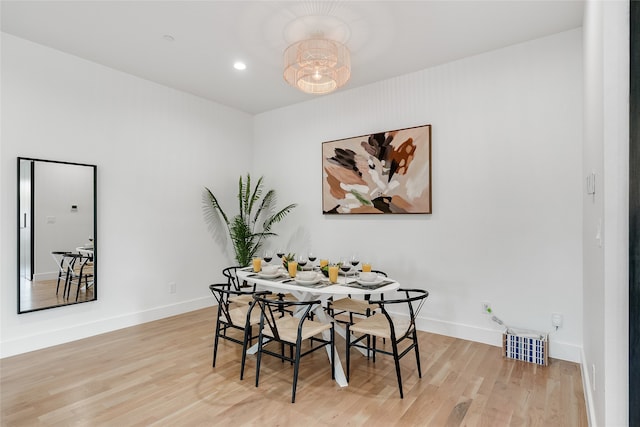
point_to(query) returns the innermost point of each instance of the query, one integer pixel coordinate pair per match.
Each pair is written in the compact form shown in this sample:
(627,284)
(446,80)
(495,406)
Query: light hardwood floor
(160,373)
(40,294)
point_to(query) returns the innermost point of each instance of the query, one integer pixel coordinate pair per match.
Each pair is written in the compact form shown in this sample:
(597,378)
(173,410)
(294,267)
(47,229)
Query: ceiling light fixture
(239,65)
(317,65)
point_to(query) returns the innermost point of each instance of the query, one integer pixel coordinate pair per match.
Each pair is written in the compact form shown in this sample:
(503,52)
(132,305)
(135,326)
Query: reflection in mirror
(57,257)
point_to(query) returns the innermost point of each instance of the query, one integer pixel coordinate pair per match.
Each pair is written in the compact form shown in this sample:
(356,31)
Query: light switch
(51,220)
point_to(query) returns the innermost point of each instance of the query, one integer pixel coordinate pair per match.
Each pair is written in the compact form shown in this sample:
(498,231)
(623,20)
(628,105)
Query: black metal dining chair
(61,263)
(232,315)
(290,331)
(351,306)
(396,330)
(232,278)
(78,267)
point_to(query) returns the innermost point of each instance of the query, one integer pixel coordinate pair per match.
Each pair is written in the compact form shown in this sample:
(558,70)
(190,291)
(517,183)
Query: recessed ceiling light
(238,65)
(168,37)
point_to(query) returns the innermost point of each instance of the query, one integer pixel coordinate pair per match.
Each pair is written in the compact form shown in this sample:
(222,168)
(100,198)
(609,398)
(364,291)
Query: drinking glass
(257,264)
(355,260)
(333,273)
(302,261)
(268,256)
(345,266)
(293,268)
(280,253)
(312,258)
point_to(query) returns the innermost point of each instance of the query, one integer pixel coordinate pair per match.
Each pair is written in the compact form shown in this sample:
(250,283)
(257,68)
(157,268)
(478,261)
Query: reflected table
(85,250)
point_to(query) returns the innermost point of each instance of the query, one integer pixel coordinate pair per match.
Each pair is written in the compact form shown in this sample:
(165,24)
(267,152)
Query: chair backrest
(84,264)
(232,277)
(58,257)
(69,261)
(272,309)
(78,264)
(414,299)
(222,292)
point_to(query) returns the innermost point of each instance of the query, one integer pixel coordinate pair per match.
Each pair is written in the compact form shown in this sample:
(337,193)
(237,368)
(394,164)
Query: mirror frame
(20,220)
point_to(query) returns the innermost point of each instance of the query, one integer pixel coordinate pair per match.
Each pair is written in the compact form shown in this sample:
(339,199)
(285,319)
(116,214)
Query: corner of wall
(586,388)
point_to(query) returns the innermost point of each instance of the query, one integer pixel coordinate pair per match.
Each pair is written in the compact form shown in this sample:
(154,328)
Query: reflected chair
(291,331)
(59,259)
(231,315)
(351,306)
(78,267)
(398,330)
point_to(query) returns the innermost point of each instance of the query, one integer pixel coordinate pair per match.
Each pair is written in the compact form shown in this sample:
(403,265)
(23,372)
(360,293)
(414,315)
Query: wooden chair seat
(242,299)
(238,315)
(356,306)
(288,329)
(378,326)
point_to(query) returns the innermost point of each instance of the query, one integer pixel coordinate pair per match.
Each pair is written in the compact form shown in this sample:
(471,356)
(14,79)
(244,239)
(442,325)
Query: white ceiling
(386,38)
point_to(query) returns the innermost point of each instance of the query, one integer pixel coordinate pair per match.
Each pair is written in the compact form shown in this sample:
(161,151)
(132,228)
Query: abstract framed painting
(380,173)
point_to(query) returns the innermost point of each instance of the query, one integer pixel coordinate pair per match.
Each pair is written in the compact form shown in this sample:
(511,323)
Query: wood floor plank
(160,374)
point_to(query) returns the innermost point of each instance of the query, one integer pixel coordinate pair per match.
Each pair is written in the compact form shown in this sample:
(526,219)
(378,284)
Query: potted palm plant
(250,228)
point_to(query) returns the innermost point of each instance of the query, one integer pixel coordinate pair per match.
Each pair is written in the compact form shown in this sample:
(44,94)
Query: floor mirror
(57,246)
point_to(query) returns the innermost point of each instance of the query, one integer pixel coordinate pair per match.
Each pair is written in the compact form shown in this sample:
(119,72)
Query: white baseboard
(89,329)
(33,342)
(50,275)
(557,349)
(588,391)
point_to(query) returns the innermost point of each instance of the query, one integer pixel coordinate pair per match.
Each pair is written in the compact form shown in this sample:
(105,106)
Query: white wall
(155,149)
(606,153)
(507,186)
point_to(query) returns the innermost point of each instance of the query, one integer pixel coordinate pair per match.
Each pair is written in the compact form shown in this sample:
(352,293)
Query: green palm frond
(247,230)
(265,205)
(215,205)
(277,217)
(257,192)
(241,196)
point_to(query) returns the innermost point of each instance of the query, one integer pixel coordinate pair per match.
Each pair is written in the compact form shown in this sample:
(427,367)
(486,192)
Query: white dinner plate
(372,283)
(269,275)
(307,282)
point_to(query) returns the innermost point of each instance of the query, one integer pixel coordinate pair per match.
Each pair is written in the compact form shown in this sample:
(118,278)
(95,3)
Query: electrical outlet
(556,320)
(172,287)
(486,307)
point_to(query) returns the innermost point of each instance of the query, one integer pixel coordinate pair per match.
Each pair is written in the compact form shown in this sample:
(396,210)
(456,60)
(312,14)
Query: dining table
(85,250)
(320,290)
